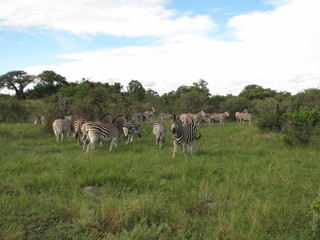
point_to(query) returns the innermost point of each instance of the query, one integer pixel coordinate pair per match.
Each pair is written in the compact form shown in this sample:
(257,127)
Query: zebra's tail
(199,136)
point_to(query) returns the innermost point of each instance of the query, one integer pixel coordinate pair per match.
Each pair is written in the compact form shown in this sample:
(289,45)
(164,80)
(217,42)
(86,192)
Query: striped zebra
(165,116)
(220,117)
(183,134)
(61,126)
(190,117)
(104,132)
(130,130)
(238,115)
(159,131)
(77,129)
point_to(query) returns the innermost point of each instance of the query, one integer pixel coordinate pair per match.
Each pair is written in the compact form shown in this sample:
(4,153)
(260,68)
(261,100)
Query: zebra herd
(184,128)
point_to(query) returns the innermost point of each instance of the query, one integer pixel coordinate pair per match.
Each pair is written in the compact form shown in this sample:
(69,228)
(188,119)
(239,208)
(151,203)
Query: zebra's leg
(184,148)
(68,136)
(113,142)
(191,147)
(90,145)
(174,149)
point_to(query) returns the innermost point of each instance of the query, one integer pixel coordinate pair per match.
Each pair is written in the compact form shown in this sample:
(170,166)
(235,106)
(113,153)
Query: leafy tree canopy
(254,91)
(17,81)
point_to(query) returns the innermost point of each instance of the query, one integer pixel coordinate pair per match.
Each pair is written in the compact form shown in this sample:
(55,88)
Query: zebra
(106,118)
(247,117)
(159,130)
(190,117)
(148,115)
(208,118)
(61,126)
(238,115)
(166,116)
(104,132)
(77,129)
(220,117)
(138,117)
(183,134)
(39,119)
(130,130)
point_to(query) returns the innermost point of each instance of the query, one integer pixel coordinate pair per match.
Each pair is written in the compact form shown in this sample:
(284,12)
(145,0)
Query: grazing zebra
(220,117)
(165,116)
(130,130)
(183,134)
(190,117)
(104,132)
(148,115)
(77,129)
(159,130)
(61,126)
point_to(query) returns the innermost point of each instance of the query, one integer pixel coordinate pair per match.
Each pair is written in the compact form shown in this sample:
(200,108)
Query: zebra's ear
(174,117)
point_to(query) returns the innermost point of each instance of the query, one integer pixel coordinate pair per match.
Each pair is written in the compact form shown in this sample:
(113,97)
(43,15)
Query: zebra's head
(175,125)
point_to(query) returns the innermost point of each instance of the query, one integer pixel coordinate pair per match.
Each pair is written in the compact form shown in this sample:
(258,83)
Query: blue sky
(166,43)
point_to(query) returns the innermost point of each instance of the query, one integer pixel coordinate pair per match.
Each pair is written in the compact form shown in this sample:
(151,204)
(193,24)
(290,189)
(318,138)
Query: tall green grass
(239,184)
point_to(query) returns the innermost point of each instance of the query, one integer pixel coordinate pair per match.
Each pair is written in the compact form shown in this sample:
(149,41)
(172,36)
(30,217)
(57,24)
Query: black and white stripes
(159,130)
(183,134)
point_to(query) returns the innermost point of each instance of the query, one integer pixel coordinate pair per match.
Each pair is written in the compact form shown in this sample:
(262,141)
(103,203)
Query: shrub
(270,111)
(300,126)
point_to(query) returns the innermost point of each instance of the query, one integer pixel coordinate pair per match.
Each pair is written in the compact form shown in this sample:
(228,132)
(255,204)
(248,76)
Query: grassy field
(239,184)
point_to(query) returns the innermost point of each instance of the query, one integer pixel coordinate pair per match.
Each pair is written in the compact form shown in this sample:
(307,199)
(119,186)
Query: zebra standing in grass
(183,134)
(61,126)
(77,129)
(159,130)
(105,132)
(220,117)
(130,130)
(190,117)
(238,115)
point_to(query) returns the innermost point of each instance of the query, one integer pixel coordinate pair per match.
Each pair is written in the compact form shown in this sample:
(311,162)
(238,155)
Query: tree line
(52,95)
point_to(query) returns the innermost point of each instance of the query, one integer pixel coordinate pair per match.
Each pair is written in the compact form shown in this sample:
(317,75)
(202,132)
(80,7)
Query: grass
(239,184)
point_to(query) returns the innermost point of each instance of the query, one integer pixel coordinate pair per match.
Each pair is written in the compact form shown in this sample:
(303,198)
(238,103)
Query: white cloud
(276,49)
(121,18)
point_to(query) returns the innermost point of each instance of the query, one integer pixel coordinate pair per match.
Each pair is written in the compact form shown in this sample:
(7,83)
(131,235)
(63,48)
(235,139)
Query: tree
(254,91)
(136,90)
(17,81)
(50,83)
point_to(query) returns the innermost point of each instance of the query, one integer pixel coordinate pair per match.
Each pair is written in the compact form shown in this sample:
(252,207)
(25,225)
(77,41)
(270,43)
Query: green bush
(270,111)
(300,126)
(13,110)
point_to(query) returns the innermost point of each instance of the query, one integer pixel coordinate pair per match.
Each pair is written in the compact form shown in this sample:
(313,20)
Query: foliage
(234,104)
(13,110)
(269,114)
(253,91)
(49,84)
(136,90)
(17,81)
(300,126)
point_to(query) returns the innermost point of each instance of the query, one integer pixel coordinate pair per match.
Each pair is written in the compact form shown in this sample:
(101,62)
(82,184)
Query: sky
(165,44)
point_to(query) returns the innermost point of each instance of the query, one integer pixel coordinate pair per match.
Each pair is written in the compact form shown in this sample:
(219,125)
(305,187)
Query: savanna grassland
(240,183)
